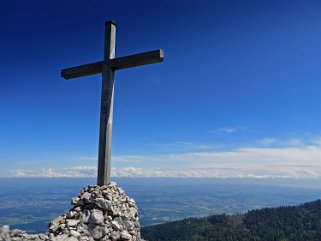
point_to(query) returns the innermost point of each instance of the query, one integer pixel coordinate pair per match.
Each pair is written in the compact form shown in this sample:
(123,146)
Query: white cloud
(228,172)
(316,141)
(257,162)
(277,159)
(80,171)
(294,142)
(268,141)
(187,146)
(282,142)
(82,168)
(227,130)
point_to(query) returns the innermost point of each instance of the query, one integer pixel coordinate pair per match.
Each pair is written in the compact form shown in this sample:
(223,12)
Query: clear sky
(238,94)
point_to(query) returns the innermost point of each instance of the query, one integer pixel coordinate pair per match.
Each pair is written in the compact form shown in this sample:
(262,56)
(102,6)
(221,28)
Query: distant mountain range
(287,223)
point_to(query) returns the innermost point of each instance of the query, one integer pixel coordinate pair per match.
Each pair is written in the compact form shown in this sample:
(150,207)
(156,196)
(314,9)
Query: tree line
(297,223)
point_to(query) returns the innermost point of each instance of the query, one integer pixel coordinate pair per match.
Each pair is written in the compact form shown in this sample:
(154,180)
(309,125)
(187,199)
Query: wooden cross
(107,68)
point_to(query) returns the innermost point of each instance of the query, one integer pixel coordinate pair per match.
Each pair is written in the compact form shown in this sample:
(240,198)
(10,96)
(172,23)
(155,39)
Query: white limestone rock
(19,235)
(99,213)
(64,237)
(125,235)
(72,222)
(96,217)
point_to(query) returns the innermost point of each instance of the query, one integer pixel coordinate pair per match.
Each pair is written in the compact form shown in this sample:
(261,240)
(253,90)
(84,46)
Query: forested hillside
(298,223)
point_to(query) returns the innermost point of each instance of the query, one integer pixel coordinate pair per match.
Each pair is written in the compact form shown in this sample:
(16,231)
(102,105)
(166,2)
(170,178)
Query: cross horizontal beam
(82,70)
(137,59)
(116,64)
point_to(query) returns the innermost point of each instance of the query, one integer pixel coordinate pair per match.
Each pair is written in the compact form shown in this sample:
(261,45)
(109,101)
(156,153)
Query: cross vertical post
(107,102)
(107,68)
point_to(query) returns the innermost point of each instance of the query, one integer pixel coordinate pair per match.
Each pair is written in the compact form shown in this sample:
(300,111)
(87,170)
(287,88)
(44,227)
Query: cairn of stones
(98,213)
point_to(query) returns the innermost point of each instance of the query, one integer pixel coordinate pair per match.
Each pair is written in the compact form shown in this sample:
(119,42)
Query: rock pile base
(16,235)
(98,213)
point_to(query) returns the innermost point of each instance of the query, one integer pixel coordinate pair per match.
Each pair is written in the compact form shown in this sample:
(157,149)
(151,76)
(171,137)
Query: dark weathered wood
(116,63)
(106,111)
(82,70)
(108,67)
(137,59)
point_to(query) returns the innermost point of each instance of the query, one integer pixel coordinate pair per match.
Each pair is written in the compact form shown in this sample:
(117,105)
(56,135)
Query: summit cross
(107,68)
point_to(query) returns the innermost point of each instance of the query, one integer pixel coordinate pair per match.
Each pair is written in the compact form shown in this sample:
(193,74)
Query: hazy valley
(30,204)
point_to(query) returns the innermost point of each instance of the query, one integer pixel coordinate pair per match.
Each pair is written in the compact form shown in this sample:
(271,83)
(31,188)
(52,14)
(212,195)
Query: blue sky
(237,94)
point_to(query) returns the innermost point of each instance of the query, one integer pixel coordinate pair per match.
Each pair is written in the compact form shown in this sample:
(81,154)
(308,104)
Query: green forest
(297,223)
